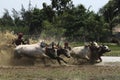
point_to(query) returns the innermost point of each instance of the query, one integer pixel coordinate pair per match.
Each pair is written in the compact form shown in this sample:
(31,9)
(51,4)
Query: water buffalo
(54,53)
(81,52)
(84,52)
(90,52)
(102,49)
(41,50)
(31,51)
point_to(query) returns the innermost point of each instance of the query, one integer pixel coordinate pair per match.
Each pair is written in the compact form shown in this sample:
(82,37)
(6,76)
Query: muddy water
(109,61)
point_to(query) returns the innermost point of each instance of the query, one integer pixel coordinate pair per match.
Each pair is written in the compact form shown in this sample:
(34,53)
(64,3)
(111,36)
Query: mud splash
(7,51)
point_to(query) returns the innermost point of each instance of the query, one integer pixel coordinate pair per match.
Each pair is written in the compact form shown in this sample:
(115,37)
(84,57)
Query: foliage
(62,19)
(110,12)
(6,19)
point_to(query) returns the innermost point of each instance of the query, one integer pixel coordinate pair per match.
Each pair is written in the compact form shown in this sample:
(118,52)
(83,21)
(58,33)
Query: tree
(16,18)
(111,13)
(73,21)
(48,12)
(94,27)
(61,5)
(7,19)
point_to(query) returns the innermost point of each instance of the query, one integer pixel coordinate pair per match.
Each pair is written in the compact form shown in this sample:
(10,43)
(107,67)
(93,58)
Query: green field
(115,50)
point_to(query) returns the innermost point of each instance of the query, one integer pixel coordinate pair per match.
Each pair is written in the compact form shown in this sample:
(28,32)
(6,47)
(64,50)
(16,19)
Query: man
(66,46)
(19,40)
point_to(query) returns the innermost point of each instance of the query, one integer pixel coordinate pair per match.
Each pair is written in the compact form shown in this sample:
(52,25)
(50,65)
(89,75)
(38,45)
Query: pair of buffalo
(42,50)
(90,52)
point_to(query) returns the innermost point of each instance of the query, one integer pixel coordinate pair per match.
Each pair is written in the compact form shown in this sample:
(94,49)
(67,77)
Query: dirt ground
(28,69)
(25,70)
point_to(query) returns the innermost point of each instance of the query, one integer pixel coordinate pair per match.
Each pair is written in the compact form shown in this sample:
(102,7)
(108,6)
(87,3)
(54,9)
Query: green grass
(115,49)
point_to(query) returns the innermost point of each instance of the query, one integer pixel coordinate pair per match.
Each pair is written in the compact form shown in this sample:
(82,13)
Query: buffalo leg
(100,59)
(58,61)
(50,60)
(44,62)
(47,58)
(59,58)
